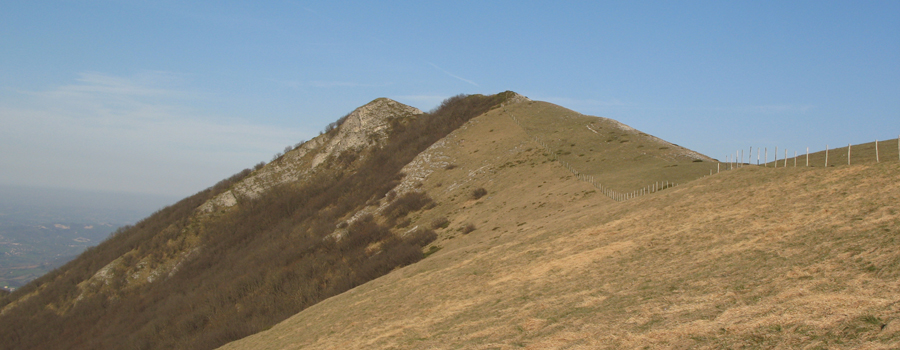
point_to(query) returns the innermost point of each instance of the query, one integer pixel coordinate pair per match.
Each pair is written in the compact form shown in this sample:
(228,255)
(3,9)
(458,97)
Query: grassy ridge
(621,158)
(752,258)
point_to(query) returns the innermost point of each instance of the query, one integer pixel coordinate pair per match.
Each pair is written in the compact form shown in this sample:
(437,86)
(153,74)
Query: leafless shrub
(408,202)
(440,222)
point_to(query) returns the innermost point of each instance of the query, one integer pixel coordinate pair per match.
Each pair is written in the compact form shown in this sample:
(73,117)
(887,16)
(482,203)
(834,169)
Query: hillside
(491,221)
(248,252)
(757,257)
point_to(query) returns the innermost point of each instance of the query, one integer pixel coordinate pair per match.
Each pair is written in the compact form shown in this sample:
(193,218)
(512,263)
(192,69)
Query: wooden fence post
(876,151)
(785,158)
(795,159)
(826,155)
(848,154)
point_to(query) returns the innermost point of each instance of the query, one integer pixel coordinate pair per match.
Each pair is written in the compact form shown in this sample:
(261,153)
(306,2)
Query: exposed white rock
(516,98)
(365,127)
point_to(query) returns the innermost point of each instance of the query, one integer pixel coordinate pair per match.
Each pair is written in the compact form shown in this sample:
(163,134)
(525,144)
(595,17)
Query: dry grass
(752,258)
(624,159)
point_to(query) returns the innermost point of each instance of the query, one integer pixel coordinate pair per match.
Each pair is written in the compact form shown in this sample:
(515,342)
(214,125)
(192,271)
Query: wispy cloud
(453,75)
(139,134)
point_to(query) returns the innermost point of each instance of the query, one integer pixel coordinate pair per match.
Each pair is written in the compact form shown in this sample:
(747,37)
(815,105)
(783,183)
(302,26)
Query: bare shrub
(440,222)
(478,193)
(467,228)
(408,202)
(421,237)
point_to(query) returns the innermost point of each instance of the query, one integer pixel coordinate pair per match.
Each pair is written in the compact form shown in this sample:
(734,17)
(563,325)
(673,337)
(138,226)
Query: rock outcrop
(367,126)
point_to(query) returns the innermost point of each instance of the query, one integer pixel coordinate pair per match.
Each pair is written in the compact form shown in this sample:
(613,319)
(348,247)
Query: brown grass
(752,258)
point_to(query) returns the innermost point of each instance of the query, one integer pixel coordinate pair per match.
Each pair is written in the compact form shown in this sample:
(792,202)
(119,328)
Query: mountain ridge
(481,188)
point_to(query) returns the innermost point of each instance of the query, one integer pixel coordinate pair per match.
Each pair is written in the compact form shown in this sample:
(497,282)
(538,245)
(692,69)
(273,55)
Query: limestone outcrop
(367,126)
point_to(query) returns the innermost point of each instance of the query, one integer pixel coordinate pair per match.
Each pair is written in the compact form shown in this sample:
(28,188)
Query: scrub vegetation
(267,259)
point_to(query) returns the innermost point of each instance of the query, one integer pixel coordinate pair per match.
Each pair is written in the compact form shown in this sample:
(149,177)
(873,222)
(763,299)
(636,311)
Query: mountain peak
(365,126)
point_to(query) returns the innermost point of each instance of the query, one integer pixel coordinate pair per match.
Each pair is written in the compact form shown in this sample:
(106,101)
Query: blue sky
(168,97)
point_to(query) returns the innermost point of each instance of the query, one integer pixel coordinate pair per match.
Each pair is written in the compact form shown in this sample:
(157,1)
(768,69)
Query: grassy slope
(625,159)
(756,257)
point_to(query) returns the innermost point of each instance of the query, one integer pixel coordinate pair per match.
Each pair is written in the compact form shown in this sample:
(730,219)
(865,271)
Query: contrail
(452,75)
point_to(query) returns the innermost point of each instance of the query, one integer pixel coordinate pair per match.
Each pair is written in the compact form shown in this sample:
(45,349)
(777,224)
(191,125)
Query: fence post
(826,155)
(776,156)
(848,154)
(785,158)
(757,156)
(795,159)
(876,151)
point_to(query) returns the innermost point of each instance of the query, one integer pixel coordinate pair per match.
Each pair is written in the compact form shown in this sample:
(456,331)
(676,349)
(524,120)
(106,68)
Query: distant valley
(43,228)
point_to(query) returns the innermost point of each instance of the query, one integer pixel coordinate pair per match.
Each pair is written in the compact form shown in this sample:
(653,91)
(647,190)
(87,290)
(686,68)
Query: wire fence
(737,159)
(604,189)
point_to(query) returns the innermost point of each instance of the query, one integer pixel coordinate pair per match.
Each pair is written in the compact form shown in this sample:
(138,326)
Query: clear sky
(168,97)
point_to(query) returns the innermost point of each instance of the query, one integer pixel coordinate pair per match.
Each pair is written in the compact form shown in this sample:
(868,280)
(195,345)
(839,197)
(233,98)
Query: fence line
(605,190)
(731,162)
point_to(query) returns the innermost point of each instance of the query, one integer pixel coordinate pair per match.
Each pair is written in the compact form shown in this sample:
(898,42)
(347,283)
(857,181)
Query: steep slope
(755,257)
(256,248)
